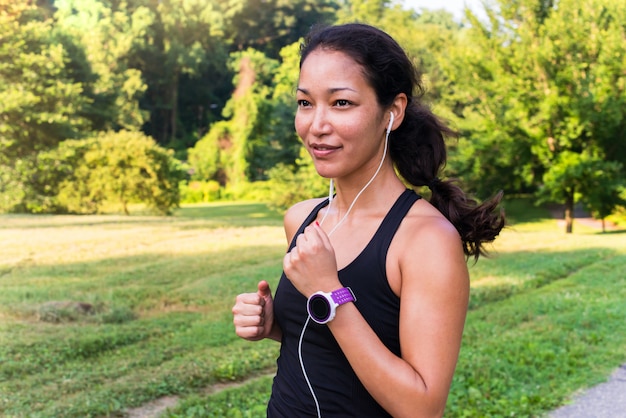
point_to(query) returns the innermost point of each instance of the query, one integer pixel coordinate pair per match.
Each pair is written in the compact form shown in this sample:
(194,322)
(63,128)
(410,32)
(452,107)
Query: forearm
(395,384)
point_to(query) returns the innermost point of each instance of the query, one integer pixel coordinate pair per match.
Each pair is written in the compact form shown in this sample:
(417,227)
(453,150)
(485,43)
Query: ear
(397,108)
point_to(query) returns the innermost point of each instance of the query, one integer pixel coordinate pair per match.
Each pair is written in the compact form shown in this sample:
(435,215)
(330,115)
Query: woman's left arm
(434,291)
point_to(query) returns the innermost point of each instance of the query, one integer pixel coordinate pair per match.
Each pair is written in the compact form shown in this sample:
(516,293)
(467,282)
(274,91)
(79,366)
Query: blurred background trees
(537,90)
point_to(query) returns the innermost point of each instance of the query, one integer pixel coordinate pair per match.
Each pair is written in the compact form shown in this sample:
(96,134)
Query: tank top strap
(308,221)
(391,223)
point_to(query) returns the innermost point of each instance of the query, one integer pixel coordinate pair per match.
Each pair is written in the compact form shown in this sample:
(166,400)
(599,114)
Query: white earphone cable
(331,191)
(306,377)
(330,200)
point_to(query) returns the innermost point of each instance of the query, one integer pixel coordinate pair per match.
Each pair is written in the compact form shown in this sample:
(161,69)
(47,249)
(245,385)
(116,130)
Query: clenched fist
(253,314)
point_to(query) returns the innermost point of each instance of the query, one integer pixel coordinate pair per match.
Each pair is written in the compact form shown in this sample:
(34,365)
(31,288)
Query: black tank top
(337,388)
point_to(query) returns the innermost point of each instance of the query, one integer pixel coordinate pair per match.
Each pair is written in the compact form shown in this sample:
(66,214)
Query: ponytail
(476,223)
(418,150)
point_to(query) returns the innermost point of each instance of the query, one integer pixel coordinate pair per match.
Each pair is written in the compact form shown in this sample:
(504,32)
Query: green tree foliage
(119,169)
(290,184)
(184,52)
(44,84)
(367,11)
(604,189)
(249,110)
(258,133)
(181,55)
(536,90)
(97,174)
(283,143)
(269,25)
(598,183)
(109,34)
(208,158)
(533,87)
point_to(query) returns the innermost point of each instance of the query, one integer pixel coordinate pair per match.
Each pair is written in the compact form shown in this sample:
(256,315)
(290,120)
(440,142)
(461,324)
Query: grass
(99,314)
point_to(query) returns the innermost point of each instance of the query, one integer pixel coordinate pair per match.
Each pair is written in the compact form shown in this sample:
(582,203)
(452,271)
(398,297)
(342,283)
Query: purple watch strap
(343,295)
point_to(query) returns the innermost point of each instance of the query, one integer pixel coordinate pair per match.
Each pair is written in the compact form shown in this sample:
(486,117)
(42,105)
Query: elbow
(428,406)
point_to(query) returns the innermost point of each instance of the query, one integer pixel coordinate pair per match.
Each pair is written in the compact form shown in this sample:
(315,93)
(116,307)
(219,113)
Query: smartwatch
(322,306)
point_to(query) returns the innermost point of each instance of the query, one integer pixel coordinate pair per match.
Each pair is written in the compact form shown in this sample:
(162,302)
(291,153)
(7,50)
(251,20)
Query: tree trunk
(125,207)
(174,114)
(569,212)
(603,226)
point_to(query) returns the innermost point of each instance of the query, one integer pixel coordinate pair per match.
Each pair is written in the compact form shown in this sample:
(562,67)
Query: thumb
(264,289)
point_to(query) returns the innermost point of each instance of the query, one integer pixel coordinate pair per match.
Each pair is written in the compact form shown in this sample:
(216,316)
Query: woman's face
(339,119)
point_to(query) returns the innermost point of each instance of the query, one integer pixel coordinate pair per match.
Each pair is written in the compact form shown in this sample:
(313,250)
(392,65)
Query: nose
(320,123)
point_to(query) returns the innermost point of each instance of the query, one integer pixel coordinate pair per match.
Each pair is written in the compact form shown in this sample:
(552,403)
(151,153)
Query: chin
(324,172)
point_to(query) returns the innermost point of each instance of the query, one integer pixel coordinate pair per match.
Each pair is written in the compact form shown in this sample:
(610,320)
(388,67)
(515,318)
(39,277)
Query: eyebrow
(331,90)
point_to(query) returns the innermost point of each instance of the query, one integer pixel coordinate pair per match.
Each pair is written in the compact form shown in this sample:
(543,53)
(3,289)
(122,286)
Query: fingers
(311,243)
(249,304)
(321,234)
(249,315)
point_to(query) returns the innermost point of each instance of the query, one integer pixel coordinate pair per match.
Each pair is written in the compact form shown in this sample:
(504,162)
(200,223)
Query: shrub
(11,190)
(200,191)
(125,167)
(84,176)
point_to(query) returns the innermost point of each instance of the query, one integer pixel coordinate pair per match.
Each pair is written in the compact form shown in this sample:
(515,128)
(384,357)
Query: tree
(536,101)
(604,189)
(269,25)
(367,11)
(118,168)
(182,47)
(110,35)
(242,141)
(43,87)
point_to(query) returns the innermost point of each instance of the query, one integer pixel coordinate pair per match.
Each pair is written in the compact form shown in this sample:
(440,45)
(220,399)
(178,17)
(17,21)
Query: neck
(356,196)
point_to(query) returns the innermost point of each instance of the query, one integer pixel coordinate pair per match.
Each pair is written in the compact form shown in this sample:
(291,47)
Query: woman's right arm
(253,313)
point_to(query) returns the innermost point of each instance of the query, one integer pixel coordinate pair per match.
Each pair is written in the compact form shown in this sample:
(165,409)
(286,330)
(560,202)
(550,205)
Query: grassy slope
(162,289)
(544,319)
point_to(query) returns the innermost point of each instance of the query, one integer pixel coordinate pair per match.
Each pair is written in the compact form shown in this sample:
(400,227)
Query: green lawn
(546,313)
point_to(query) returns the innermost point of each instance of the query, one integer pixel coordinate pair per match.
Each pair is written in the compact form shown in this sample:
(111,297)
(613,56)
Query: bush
(11,190)
(126,167)
(199,191)
(84,176)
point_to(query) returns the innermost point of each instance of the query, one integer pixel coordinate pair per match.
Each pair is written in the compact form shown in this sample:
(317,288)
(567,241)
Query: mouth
(323,147)
(322,150)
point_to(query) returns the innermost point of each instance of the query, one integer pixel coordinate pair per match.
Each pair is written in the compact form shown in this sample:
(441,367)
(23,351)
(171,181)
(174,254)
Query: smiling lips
(322,150)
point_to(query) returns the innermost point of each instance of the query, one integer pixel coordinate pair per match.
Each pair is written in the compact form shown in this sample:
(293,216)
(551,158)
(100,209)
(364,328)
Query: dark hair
(417,146)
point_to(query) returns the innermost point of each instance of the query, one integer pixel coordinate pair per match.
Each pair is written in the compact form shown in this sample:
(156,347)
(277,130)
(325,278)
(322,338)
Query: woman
(371,306)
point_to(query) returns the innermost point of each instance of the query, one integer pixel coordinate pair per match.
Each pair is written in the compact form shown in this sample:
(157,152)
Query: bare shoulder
(427,229)
(296,214)
(427,245)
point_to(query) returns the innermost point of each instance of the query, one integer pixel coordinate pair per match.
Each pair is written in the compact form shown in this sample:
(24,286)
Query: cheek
(299,124)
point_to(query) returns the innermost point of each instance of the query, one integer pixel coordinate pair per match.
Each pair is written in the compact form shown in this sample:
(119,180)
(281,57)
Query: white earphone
(330,201)
(390,123)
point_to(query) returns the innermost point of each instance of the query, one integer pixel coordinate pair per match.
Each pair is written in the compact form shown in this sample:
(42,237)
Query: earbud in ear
(390,122)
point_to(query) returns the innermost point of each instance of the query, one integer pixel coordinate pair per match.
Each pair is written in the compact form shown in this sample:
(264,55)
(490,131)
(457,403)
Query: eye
(342,103)
(303,103)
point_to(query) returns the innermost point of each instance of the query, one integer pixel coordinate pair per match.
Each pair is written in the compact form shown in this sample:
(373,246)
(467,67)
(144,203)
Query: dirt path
(153,408)
(156,407)
(581,217)
(590,222)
